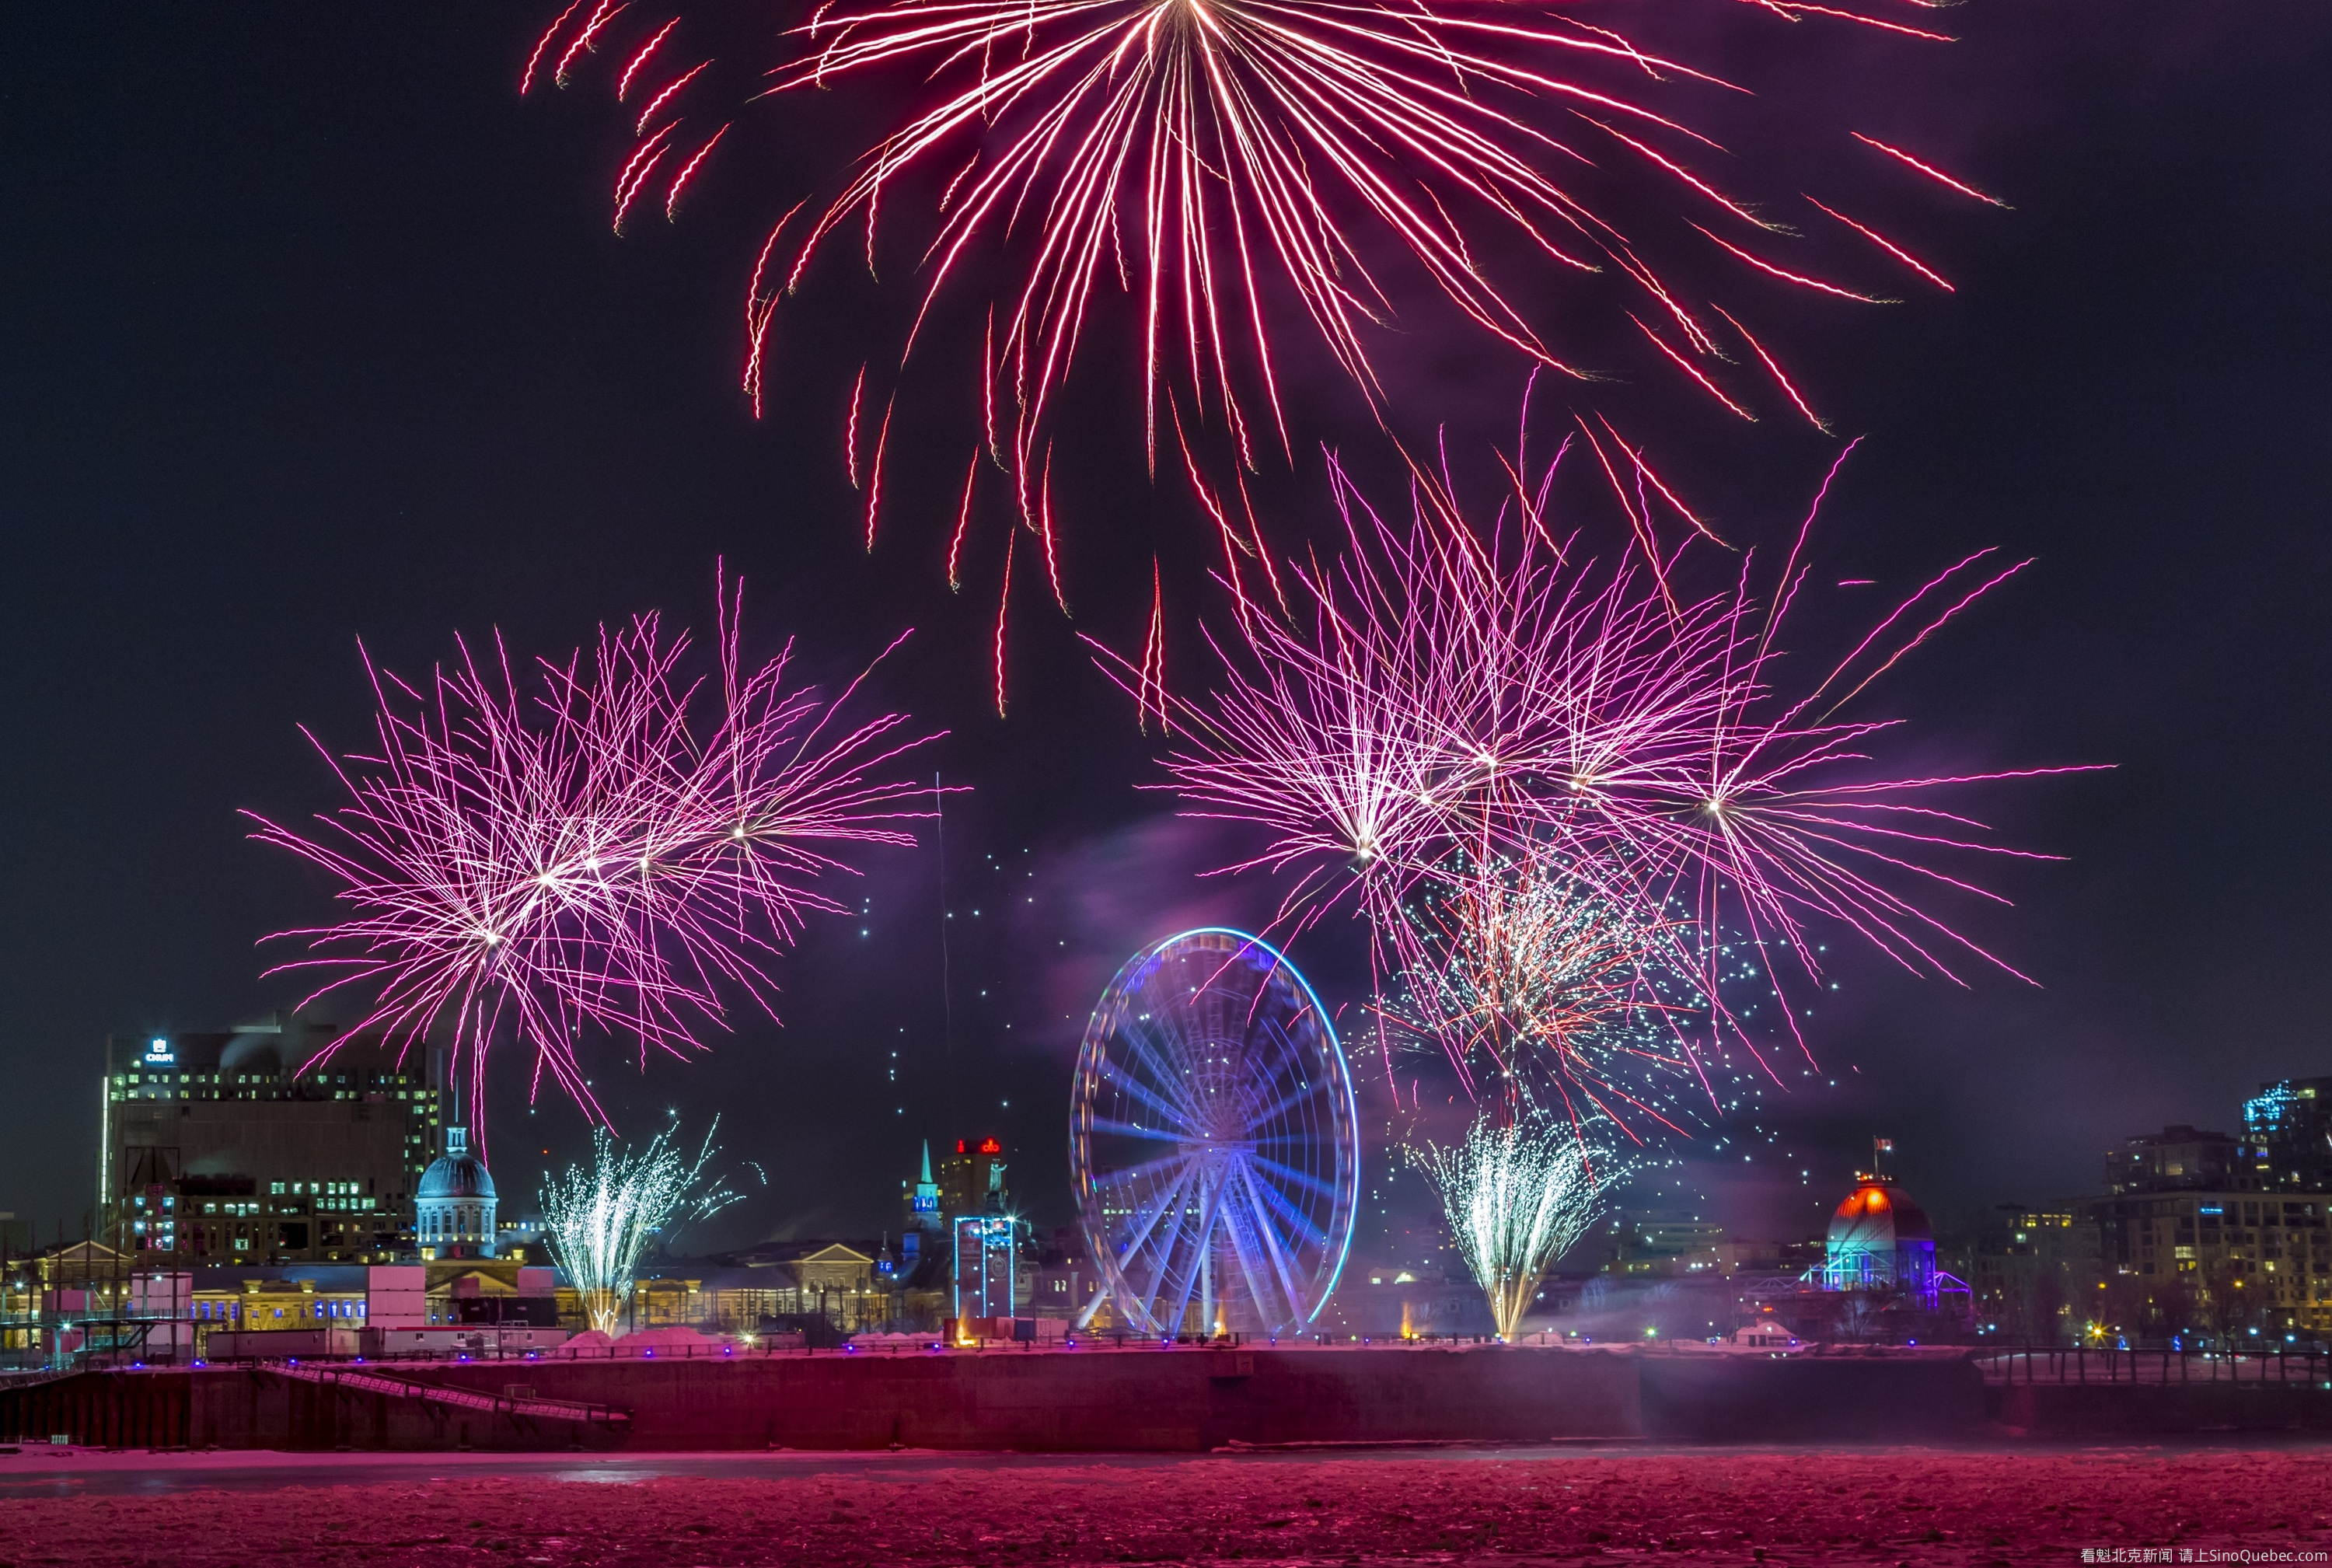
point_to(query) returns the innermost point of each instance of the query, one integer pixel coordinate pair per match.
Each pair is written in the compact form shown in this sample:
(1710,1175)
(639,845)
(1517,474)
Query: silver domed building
(454,1208)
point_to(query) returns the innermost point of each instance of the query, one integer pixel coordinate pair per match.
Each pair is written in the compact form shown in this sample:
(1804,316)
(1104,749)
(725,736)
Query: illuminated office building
(971,1179)
(229,1148)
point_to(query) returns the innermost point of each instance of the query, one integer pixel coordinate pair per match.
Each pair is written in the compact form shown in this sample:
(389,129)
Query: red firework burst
(1231,166)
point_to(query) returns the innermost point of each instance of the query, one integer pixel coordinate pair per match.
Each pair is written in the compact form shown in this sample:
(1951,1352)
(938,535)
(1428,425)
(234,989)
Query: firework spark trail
(1238,140)
(1444,690)
(1441,748)
(598,1219)
(598,854)
(1930,170)
(1518,1193)
(1525,971)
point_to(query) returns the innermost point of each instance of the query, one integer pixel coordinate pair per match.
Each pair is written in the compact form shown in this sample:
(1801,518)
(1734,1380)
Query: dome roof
(456,1176)
(1877,1217)
(457,1172)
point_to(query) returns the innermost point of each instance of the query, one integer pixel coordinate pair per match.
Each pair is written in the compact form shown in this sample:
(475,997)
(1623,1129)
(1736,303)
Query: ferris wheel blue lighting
(1215,1140)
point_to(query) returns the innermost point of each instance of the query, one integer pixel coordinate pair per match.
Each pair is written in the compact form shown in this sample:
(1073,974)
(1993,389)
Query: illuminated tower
(921,1199)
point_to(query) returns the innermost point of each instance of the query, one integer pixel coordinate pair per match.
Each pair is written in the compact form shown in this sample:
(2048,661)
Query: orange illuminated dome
(1875,1218)
(1878,1236)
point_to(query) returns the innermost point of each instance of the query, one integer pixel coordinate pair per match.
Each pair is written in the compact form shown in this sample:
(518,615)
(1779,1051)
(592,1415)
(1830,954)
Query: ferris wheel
(1213,1141)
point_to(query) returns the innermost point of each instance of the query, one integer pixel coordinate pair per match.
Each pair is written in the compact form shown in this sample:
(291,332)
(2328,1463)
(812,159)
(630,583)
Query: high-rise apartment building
(2034,1274)
(2179,1159)
(2289,1127)
(230,1148)
(2225,1260)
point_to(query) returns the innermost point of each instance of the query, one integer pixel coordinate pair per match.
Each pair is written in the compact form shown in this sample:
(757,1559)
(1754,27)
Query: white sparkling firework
(1518,1195)
(598,1219)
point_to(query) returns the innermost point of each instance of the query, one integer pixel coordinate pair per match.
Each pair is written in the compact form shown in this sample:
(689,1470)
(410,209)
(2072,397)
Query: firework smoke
(597,1220)
(607,852)
(1518,1193)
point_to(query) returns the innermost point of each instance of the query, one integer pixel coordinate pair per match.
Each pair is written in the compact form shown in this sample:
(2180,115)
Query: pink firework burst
(1440,690)
(1451,695)
(609,851)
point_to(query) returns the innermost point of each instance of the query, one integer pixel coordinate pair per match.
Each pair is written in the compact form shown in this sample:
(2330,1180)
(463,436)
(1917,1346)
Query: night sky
(312,331)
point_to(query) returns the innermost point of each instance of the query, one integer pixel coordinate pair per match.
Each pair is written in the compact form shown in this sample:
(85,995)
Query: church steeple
(923,1200)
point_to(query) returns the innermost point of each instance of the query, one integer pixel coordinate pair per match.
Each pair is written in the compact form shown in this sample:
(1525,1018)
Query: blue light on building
(984,1265)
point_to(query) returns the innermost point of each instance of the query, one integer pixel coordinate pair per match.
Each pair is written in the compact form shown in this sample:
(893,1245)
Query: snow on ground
(1774,1507)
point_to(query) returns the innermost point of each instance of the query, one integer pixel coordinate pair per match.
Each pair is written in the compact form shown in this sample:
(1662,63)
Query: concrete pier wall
(1809,1398)
(247,1408)
(1096,1400)
(2157,1410)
